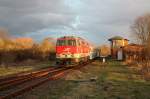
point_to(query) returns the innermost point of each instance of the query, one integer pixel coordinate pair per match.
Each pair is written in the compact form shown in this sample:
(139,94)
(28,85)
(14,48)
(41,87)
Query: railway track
(23,74)
(11,87)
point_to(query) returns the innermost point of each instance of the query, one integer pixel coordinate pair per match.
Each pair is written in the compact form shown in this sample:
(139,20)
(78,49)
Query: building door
(120,54)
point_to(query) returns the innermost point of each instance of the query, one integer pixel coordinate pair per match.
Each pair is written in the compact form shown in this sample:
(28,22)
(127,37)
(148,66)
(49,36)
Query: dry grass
(115,81)
(23,67)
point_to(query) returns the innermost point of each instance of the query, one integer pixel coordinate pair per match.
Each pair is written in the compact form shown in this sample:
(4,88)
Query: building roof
(117,38)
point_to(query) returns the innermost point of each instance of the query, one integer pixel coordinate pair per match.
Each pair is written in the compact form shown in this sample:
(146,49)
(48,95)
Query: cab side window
(78,43)
(83,43)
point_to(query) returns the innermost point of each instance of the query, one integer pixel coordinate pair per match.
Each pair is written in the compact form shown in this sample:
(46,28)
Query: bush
(18,50)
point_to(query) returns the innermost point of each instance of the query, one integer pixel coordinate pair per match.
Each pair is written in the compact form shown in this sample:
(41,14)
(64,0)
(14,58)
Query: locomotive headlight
(77,55)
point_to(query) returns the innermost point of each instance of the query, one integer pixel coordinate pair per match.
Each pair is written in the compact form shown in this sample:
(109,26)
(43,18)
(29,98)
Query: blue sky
(95,20)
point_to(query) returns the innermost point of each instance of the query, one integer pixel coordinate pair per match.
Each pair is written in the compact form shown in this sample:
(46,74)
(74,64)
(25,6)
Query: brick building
(133,52)
(116,43)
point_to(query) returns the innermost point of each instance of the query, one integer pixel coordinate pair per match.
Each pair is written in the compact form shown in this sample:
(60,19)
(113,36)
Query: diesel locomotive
(71,49)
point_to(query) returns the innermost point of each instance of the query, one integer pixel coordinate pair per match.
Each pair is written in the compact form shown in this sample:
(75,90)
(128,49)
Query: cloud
(95,20)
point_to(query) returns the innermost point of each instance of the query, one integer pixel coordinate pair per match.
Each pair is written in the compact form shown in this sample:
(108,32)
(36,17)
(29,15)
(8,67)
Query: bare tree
(141,28)
(104,50)
(47,47)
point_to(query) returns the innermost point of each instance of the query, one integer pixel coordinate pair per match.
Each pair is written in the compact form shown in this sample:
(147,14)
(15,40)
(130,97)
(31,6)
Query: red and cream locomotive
(71,49)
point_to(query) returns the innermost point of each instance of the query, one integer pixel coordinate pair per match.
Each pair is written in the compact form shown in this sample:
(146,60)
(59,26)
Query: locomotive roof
(70,37)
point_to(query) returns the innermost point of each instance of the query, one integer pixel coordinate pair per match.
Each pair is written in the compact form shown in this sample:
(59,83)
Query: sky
(94,20)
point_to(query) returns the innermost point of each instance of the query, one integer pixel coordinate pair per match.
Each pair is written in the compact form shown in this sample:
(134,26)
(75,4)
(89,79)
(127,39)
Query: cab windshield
(66,43)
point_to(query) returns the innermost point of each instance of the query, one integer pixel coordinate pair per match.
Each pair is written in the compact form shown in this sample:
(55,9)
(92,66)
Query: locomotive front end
(66,50)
